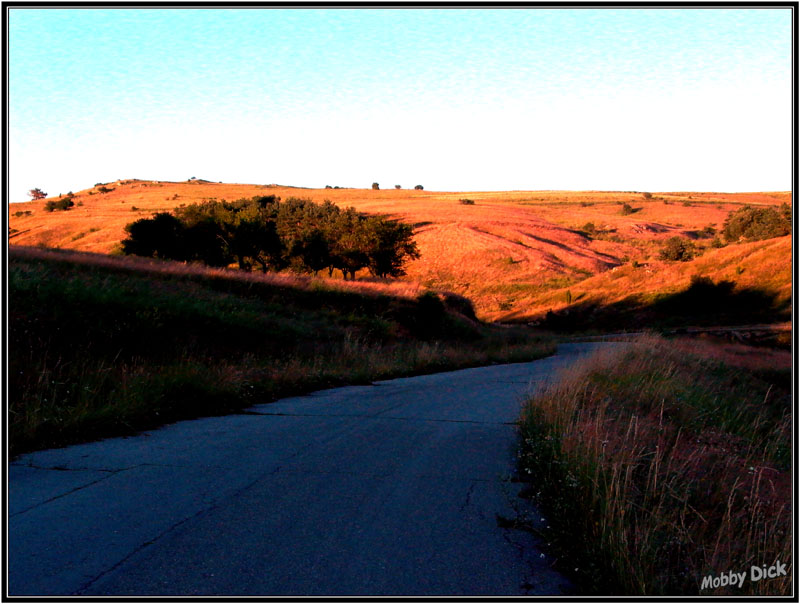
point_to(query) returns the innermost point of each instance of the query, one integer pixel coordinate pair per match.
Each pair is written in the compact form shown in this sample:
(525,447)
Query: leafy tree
(375,186)
(37,194)
(755,224)
(418,188)
(158,237)
(349,244)
(312,251)
(390,244)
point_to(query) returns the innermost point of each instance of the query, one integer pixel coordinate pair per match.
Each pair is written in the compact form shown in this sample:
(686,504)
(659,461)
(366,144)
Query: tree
(312,251)
(375,186)
(397,187)
(390,244)
(158,237)
(418,188)
(36,194)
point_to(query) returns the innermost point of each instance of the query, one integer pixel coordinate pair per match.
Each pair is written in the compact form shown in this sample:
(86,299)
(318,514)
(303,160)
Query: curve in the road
(394,488)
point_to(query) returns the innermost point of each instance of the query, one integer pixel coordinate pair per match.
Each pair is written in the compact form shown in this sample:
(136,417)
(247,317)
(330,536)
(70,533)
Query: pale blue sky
(454,99)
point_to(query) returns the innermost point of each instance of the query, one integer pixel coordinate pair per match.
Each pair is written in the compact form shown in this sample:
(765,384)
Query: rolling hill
(515,254)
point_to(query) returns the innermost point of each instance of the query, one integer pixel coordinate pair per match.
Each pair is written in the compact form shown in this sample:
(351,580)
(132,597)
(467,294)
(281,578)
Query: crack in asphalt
(208,508)
(61,469)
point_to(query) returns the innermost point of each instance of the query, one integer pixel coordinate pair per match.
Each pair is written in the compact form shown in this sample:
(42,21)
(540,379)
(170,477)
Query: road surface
(389,489)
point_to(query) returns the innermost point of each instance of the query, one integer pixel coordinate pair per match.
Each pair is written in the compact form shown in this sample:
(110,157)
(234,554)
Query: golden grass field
(514,254)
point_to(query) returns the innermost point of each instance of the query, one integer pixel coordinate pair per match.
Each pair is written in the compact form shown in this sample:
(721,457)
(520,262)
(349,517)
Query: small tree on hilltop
(418,188)
(375,186)
(37,194)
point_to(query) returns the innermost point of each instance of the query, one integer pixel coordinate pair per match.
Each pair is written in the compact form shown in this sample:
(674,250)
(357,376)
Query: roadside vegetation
(102,345)
(660,463)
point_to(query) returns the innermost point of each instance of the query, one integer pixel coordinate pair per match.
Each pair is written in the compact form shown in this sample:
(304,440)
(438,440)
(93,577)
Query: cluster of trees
(297,234)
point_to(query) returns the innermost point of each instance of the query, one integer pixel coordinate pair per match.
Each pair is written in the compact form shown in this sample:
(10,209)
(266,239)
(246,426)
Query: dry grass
(102,345)
(659,468)
(502,252)
(764,265)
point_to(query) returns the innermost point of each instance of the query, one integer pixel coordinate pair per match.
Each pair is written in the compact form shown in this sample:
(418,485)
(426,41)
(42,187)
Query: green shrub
(678,249)
(62,204)
(755,224)
(627,209)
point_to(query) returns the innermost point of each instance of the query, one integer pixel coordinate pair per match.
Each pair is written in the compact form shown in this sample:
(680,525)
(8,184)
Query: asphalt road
(389,489)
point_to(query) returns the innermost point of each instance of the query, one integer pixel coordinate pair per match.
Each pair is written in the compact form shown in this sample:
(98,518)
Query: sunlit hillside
(515,254)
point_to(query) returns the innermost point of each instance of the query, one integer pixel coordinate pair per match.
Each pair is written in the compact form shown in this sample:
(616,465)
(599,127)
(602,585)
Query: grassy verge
(104,346)
(660,464)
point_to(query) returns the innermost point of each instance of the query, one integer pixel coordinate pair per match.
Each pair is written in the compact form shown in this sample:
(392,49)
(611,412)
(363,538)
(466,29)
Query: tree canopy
(295,234)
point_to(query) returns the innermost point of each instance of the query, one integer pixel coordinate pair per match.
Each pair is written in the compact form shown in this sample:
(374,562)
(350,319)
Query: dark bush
(627,209)
(375,186)
(418,188)
(63,204)
(755,224)
(466,202)
(678,249)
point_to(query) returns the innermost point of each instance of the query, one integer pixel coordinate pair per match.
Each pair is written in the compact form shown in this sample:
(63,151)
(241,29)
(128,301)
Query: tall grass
(103,346)
(657,468)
